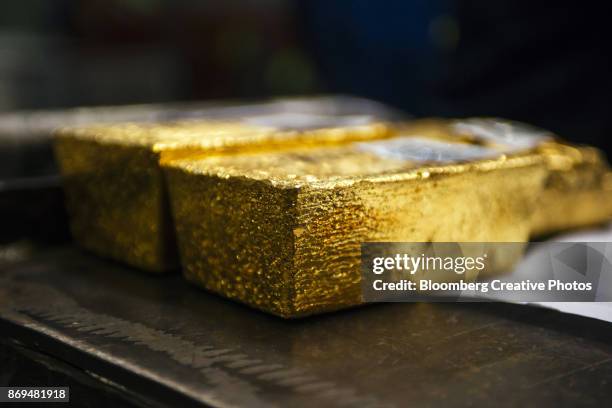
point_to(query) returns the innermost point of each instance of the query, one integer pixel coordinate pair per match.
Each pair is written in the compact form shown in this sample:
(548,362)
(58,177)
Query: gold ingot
(282,232)
(115,191)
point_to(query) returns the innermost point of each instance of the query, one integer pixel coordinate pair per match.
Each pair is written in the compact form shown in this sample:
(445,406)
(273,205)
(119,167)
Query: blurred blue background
(545,62)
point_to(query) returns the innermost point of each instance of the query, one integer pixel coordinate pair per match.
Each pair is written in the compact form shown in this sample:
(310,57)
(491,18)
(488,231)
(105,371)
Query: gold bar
(115,191)
(281,232)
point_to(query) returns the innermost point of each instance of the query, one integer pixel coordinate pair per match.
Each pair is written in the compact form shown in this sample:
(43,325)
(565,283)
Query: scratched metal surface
(178,345)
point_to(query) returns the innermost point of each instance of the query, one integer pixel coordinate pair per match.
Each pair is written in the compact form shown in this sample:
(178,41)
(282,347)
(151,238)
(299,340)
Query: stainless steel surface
(175,344)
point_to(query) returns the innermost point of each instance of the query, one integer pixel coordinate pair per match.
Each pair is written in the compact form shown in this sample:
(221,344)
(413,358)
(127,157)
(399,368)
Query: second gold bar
(115,191)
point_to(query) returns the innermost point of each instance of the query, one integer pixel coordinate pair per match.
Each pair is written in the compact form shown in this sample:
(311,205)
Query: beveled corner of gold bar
(282,231)
(115,191)
(577,192)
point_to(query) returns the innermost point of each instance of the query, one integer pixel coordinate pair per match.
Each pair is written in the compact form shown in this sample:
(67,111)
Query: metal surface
(167,342)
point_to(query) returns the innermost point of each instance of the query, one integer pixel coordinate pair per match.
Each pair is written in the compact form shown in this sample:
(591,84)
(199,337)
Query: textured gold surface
(115,192)
(578,189)
(282,232)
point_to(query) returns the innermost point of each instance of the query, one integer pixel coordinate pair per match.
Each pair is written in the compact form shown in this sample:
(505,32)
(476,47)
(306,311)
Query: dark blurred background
(543,62)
